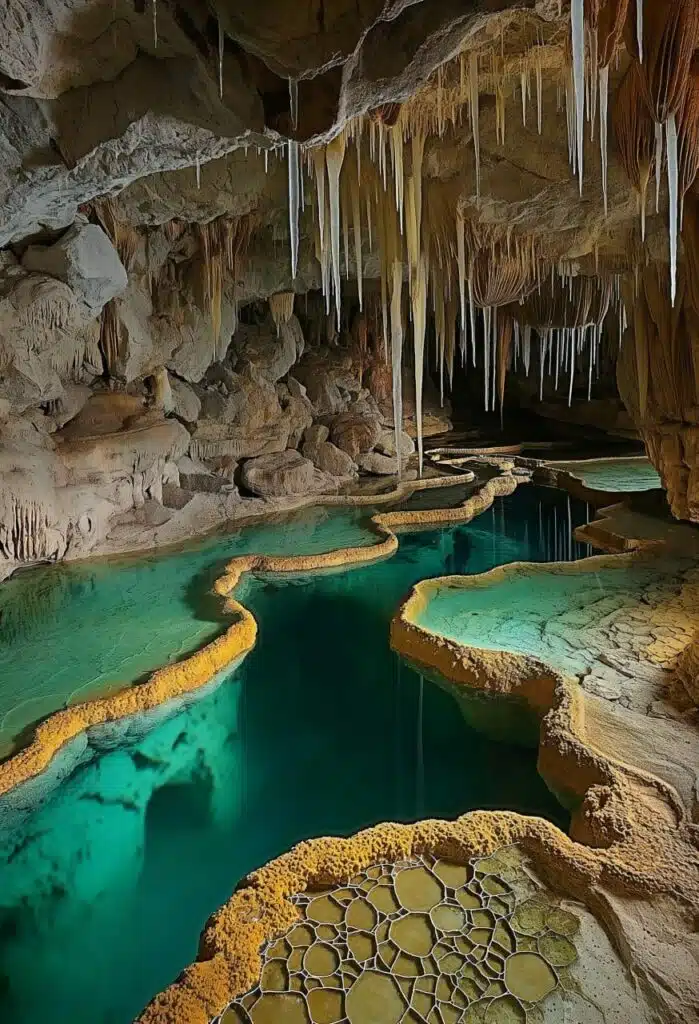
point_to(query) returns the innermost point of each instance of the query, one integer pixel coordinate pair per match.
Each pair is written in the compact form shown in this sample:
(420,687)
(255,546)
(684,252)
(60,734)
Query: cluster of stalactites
(568,313)
(660,94)
(221,244)
(281,306)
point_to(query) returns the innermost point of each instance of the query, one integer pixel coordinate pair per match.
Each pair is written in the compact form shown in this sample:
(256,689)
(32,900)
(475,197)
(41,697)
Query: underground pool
(106,883)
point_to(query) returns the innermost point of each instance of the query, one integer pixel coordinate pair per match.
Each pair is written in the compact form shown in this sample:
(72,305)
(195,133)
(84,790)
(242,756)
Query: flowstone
(425,940)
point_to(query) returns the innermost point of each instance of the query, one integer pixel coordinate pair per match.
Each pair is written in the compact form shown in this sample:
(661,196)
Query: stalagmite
(603,118)
(334,155)
(397,354)
(672,184)
(473,79)
(294,172)
(220,59)
(577,25)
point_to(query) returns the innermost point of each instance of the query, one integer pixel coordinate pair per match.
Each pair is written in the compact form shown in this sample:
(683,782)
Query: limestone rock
(246,421)
(285,473)
(329,458)
(186,403)
(354,434)
(386,443)
(296,408)
(195,476)
(270,352)
(44,337)
(316,434)
(85,260)
(377,464)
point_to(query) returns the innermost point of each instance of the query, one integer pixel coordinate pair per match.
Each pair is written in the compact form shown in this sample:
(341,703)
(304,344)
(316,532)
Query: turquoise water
(616,474)
(106,884)
(81,617)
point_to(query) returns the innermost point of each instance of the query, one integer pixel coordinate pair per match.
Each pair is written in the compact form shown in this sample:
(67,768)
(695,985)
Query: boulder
(377,464)
(270,351)
(354,434)
(285,473)
(329,458)
(316,434)
(386,443)
(85,260)
(296,408)
(186,403)
(246,422)
(195,476)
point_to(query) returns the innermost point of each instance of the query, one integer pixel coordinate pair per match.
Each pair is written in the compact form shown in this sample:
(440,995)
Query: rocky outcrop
(85,260)
(283,474)
(377,464)
(660,392)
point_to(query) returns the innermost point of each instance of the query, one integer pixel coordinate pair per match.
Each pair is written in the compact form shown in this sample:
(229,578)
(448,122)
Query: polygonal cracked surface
(419,941)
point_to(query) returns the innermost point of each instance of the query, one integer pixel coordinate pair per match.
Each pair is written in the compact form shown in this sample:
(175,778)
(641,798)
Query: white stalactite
(672,185)
(334,155)
(220,59)
(639,28)
(603,136)
(419,302)
(473,79)
(658,163)
(294,171)
(294,102)
(397,353)
(577,24)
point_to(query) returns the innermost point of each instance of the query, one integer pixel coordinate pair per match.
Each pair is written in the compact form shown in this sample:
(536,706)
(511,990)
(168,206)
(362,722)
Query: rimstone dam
(349,511)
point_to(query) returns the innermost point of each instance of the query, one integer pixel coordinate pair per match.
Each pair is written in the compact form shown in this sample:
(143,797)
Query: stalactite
(294,102)
(155,23)
(357,232)
(461,266)
(281,306)
(603,129)
(672,183)
(577,22)
(419,304)
(397,354)
(334,155)
(220,58)
(473,80)
(294,172)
